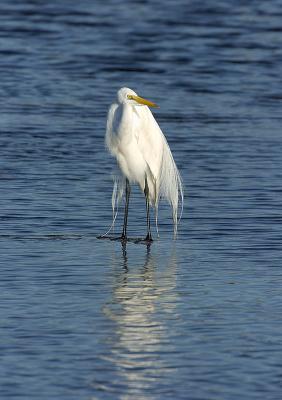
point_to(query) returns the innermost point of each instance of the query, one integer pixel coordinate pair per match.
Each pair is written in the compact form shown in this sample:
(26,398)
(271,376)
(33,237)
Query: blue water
(199,318)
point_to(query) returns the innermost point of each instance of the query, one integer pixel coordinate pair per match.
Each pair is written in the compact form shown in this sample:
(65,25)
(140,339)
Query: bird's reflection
(141,298)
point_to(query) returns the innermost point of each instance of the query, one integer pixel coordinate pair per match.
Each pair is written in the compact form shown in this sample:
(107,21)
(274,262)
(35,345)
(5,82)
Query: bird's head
(126,95)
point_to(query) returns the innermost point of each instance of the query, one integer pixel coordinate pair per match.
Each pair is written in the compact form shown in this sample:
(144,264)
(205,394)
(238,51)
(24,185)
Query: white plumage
(134,137)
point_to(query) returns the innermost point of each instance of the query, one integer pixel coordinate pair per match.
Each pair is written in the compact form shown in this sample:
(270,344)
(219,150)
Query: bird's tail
(171,187)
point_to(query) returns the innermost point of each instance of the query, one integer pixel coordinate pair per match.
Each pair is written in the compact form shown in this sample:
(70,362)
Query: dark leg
(146,192)
(127,195)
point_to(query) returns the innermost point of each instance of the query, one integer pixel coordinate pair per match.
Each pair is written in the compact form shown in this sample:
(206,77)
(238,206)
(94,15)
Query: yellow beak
(140,100)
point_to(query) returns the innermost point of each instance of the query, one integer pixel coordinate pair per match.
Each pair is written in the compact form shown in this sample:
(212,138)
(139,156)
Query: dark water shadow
(51,236)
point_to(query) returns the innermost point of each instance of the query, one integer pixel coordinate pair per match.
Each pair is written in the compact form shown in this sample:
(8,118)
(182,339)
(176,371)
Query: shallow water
(199,318)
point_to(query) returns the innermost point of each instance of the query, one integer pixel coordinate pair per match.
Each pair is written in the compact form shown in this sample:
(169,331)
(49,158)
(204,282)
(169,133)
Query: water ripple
(86,318)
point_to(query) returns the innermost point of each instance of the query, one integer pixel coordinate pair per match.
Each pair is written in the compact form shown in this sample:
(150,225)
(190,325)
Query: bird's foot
(148,238)
(147,241)
(121,238)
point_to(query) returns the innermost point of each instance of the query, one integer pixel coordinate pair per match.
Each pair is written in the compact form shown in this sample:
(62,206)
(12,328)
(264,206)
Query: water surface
(199,318)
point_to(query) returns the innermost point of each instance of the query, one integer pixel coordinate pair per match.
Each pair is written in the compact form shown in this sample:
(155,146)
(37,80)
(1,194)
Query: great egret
(134,137)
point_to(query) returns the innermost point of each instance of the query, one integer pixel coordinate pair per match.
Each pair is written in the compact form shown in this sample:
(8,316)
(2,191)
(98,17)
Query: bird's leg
(127,195)
(146,192)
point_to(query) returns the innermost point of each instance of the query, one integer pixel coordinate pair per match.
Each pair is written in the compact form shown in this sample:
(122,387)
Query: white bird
(143,155)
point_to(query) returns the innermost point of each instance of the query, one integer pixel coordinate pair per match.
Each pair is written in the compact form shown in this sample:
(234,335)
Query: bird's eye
(130,97)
